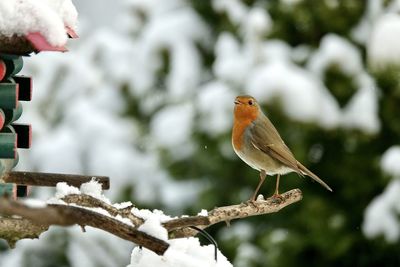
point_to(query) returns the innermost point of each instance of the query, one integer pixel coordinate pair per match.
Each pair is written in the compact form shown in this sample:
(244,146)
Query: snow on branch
(65,215)
(151,230)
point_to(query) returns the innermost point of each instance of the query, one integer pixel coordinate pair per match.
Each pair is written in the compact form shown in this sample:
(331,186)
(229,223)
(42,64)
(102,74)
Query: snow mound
(183,252)
(48,17)
(390,162)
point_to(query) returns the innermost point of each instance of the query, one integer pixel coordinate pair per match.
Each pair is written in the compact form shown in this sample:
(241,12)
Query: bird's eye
(250,102)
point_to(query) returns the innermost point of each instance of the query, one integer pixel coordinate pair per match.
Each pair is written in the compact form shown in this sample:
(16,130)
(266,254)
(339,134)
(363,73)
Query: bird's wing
(266,138)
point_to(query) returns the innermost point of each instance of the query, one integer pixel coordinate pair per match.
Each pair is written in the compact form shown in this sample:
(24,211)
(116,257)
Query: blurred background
(146,95)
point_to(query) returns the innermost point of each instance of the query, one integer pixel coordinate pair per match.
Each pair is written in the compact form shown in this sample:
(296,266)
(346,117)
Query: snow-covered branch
(123,221)
(66,215)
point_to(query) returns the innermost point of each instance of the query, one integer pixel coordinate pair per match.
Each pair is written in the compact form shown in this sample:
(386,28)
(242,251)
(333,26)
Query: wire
(209,238)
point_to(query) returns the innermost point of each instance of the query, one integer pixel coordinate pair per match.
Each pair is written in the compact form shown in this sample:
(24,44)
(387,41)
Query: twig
(228,213)
(51,179)
(69,215)
(92,202)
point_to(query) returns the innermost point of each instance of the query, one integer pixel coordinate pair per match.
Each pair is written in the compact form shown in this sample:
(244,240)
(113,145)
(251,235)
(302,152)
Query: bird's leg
(262,179)
(276,195)
(277,185)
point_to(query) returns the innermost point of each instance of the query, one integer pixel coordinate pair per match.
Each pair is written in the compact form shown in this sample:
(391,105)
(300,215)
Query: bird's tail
(313,176)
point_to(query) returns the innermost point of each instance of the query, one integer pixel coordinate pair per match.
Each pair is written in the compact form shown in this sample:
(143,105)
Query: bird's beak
(237,102)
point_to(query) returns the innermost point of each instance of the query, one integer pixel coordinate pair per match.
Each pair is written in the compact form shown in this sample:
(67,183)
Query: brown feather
(266,138)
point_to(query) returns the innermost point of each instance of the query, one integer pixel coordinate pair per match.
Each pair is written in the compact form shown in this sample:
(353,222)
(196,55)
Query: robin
(257,142)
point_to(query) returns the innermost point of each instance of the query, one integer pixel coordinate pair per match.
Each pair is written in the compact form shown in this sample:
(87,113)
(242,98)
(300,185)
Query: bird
(257,142)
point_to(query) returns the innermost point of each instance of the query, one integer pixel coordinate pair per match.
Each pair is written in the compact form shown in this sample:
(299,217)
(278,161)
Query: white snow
(257,23)
(362,111)
(147,214)
(390,162)
(338,52)
(383,49)
(63,189)
(153,227)
(183,252)
(215,106)
(123,205)
(302,96)
(34,203)
(381,215)
(94,189)
(47,17)
(230,64)
(172,126)
(203,212)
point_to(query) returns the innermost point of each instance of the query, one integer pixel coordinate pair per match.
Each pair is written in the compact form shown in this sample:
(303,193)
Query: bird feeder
(14,136)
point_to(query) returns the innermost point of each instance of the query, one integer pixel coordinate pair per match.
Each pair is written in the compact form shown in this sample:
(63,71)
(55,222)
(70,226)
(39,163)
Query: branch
(51,179)
(15,229)
(69,215)
(92,202)
(65,215)
(228,213)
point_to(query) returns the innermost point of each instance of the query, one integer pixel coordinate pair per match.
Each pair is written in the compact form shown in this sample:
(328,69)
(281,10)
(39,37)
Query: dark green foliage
(324,229)
(341,85)
(308,20)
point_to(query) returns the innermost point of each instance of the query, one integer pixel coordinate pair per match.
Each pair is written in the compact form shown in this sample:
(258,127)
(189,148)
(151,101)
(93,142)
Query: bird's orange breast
(243,117)
(237,134)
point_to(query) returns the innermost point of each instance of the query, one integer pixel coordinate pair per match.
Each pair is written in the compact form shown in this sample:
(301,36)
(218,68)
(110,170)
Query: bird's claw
(251,202)
(277,198)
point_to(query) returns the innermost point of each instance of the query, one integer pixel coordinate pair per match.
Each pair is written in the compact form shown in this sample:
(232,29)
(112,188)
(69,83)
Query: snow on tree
(325,71)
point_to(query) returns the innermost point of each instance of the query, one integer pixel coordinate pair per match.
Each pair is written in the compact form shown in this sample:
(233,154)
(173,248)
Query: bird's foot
(251,202)
(277,198)
(254,199)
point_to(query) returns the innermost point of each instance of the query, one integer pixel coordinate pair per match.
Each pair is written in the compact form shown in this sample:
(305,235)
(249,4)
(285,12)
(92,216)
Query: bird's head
(246,108)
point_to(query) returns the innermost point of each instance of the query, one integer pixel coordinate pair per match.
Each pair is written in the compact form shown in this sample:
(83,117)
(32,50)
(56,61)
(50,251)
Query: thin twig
(92,202)
(243,210)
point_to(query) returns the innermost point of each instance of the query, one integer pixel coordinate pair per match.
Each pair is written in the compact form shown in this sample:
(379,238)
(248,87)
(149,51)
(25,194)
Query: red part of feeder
(41,44)
(2,119)
(2,69)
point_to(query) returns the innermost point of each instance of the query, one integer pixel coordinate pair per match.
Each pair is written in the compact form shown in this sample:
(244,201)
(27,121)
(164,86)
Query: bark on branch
(51,179)
(14,229)
(228,213)
(69,215)
(37,220)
